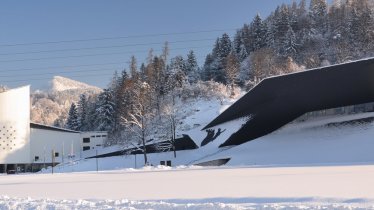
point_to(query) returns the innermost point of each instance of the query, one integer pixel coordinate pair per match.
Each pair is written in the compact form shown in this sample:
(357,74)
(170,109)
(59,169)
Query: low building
(26,146)
(279,100)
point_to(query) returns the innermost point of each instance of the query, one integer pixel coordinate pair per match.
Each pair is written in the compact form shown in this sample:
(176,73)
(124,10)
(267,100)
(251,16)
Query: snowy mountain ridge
(54,103)
(60,83)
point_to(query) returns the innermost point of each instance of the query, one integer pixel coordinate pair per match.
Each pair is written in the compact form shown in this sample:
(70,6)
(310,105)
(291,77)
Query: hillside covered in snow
(60,84)
(51,106)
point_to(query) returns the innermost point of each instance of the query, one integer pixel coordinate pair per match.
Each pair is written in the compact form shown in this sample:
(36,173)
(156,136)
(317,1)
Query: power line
(90,55)
(72,76)
(113,38)
(59,67)
(106,47)
(64,72)
(52,73)
(68,66)
(75,76)
(60,72)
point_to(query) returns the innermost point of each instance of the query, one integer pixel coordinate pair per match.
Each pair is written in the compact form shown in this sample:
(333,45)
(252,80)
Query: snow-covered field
(332,187)
(305,165)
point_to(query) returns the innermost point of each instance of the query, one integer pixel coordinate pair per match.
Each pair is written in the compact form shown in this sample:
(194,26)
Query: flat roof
(51,128)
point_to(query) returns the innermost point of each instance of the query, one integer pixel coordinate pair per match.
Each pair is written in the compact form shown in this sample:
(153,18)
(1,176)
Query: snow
(318,68)
(16,203)
(333,187)
(60,83)
(309,143)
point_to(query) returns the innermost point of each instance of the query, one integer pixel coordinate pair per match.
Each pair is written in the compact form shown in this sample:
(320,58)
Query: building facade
(26,146)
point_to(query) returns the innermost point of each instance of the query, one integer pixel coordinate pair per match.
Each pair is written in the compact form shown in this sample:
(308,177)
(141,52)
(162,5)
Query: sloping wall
(277,101)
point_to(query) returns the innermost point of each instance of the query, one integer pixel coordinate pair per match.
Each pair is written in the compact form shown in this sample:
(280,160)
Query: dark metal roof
(182,143)
(51,128)
(279,100)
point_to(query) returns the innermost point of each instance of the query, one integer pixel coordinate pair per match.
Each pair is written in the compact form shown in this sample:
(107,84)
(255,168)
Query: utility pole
(63,153)
(44,158)
(53,159)
(97,162)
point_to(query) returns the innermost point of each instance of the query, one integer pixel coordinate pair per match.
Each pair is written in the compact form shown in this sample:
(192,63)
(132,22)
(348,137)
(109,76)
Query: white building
(26,146)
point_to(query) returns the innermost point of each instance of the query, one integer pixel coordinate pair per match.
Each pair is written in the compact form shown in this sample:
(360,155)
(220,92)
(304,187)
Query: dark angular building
(278,100)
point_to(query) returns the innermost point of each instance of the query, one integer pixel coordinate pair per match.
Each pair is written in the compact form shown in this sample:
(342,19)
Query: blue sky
(24,22)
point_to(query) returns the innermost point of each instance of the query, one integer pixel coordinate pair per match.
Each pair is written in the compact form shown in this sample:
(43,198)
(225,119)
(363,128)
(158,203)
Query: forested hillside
(144,100)
(51,107)
(292,38)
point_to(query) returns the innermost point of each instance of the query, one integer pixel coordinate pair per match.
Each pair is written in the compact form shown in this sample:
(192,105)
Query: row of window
(98,136)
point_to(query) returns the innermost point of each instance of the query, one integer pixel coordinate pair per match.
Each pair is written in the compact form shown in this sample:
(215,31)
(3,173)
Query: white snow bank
(271,184)
(333,187)
(308,143)
(31,204)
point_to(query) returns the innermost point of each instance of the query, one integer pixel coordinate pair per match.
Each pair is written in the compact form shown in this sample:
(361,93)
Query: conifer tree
(82,111)
(72,121)
(207,68)
(105,111)
(318,16)
(191,67)
(133,67)
(258,33)
(289,47)
(239,47)
(281,26)
(220,51)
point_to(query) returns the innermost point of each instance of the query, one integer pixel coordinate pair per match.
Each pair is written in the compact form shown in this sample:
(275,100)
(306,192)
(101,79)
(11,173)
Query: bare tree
(263,64)
(231,69)
(138,121)
(171,113)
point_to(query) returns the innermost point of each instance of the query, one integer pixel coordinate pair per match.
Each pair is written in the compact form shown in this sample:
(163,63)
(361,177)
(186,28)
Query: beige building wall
(63,143)
(15,126)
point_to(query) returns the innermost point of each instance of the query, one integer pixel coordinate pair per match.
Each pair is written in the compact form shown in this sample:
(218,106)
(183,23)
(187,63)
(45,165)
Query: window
(56,154)
(92,136)
(86,140)
(103,136)
(86,148)
(36,158)
(98,136)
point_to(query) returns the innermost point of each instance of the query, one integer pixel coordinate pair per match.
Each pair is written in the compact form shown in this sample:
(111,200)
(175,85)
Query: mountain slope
(60,83)
(48,106)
